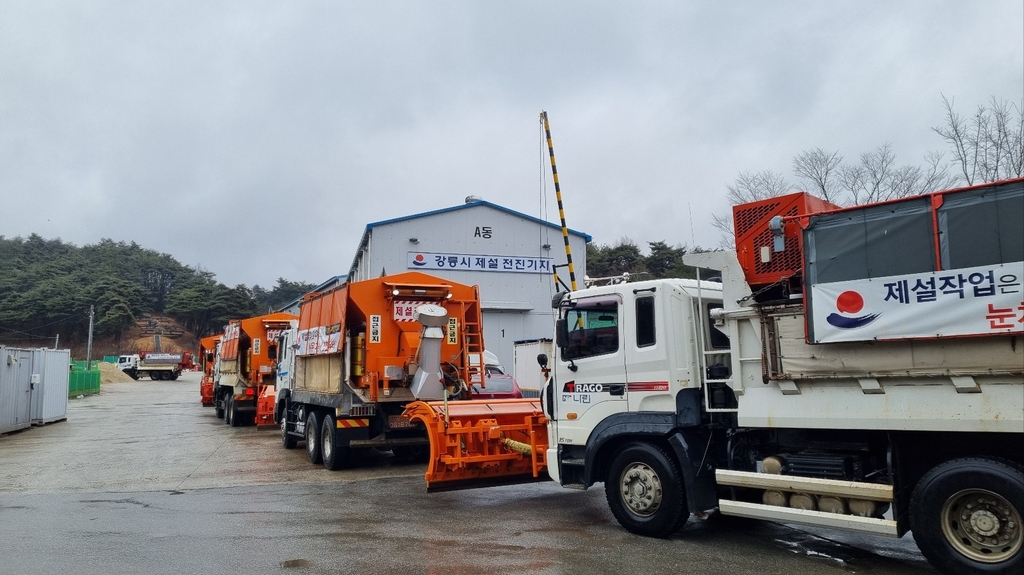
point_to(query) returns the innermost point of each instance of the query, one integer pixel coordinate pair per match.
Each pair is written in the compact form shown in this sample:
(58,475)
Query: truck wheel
(287,441)
(219,407)
(335,455)
(154,375)
(229,402)
(233,414)
(966,517)
(173,376)
(645,491)
(313,439)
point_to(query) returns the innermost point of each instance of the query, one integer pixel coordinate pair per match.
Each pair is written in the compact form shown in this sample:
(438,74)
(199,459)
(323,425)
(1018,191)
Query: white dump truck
(155,365)
(858,368)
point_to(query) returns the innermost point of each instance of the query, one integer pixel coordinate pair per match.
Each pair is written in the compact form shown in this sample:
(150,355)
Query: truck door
(645,344)
(590,367)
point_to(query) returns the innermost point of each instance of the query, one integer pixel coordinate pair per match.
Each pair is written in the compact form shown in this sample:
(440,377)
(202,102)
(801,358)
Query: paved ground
(142,479)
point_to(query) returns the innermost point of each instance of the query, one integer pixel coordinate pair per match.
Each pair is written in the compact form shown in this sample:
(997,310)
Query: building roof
(366,234)
(339,279)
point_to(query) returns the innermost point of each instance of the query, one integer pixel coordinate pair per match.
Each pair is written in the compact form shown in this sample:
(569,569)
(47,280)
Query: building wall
(516,305)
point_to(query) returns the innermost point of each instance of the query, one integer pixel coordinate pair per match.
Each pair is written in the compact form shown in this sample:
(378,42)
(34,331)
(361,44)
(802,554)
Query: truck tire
(287,441)
(313,439)
(154,375)
(645,492)
(132,373)
(233,413)
(229,402)
(218,407)
(966,516)
(173,376)
(335,455)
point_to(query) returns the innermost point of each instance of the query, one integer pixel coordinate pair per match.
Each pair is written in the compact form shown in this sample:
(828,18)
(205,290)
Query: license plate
(399,422)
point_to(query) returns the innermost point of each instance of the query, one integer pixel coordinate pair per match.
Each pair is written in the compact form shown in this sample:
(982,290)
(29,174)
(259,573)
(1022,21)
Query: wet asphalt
(142,479)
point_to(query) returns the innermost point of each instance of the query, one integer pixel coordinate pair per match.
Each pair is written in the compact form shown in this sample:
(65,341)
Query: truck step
(870,525)
(793,483)
(579,486)
(580,462)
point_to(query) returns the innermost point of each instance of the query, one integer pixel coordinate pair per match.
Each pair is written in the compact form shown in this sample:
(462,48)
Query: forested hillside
(663,261)
(47,286)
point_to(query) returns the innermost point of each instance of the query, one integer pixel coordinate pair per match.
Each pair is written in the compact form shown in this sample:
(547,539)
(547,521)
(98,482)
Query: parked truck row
(339,375)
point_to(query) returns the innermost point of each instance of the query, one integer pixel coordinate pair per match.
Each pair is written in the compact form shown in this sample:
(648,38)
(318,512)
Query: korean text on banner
(980,300)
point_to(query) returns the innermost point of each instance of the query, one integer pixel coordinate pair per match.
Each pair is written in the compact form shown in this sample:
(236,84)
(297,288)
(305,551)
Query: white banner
(480,263)
(971,301)
(319,340)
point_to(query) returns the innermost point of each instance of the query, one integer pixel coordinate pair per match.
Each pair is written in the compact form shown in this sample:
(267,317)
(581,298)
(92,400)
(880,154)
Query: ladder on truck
(472,340)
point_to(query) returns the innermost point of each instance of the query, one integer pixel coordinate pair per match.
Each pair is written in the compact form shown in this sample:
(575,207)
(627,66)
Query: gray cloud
(258,138)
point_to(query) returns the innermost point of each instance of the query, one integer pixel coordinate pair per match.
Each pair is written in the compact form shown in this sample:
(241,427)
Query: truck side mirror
(556,299)
(542,359)
(561,332)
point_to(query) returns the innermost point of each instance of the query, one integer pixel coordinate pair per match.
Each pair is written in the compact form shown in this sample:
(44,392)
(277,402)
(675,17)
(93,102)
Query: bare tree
(936,174)
(869,180)
(989,145)
(877,177)
(819,170)
(753,186)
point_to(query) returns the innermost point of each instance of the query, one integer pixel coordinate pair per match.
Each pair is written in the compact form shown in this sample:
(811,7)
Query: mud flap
(689,448)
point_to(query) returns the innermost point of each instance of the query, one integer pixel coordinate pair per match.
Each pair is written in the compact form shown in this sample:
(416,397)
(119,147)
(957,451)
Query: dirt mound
(110,374)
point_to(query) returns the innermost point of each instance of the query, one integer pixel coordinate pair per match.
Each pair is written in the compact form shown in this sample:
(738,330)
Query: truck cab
(626,360)
(129,364)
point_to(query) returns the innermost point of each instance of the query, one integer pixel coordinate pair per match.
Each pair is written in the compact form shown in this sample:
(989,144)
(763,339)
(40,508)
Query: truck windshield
(592,330)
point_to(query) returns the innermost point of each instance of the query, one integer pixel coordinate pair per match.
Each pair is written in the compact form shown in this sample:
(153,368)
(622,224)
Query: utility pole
(88,349)
(56,341)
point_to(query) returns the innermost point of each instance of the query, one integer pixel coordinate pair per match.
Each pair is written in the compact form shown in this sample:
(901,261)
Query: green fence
(110,358)
(82,381)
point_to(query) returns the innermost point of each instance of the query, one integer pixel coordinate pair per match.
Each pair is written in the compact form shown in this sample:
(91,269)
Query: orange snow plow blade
(483,443)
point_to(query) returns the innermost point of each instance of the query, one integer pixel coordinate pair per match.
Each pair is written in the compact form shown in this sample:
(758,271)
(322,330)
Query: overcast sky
(257,139)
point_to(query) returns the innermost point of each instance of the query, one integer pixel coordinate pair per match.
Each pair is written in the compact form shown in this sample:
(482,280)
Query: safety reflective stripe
(347,423)
(647,386)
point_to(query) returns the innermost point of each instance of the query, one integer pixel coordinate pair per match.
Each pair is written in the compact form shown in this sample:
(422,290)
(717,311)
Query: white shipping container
(15,389)
(50,369)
